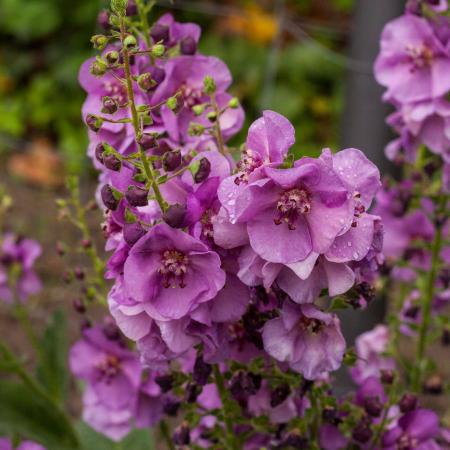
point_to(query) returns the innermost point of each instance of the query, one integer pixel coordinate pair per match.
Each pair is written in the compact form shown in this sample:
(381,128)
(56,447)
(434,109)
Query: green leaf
(135,440)
(32,416)
(52,367)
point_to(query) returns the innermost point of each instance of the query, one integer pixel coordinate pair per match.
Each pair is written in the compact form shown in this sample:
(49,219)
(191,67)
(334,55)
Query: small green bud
(99,41)
(172,103)
(209,85)
(212,116)
(98,67)
(158,50)
(119,7)
(130,42)
(233,103)
(198,109)
(196,129)
(112,57)
(146,82)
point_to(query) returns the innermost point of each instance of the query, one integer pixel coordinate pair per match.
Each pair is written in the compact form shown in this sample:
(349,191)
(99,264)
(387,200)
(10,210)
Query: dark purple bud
(373,406)
(137,196)
(188,46)
(445,338)
(174,215)
(171,406)
(330,414)
(93,123)
(387,376)
(306,386)
(294,440)
(103,20)
(61,248)
(108,198)
(362,432)
(110,106)
(182,435)
(147,141)
(171,160)
(192,391)
(112,162)
(99,150)
(158,74)
(243,384)
(111,331)
(79,273)
(132,9)
(201,371)
(132,232)
(203,171)
(67,276)
(433,385)
(160,33)
(78,306)
(165,382)
(85,324)
(279,395)
(86,243)
(408,403)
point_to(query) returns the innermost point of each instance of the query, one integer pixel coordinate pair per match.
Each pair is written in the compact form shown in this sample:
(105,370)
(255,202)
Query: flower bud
(294,440)
(112,57)
(171,160)
(103,20)
(110,106)
(132,9)
(111,331)
(233,103)
(132,232)
(99,150)
(387,376)
(171,406)
(86,243)
(119,6)
(433,385)
(201,371)
(408,403)
(445,338)
(192,391)
(67,276)
(279,395)
(146,82)
(94,123)
(174,215)
(99,41)
(362,432)
(165,382)
(172,103)
(182,435)
(198,109)
(137,196)
(61,248)
(209,85)
(79,273)
(130,42)
(158,50)
(188,46)
(160,33)
(79,306)
(109,199)
(98,68)
(147,141)
(203,171)
(373,406)
(112,162)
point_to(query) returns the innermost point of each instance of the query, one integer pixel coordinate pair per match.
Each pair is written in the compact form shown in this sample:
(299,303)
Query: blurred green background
(297,72)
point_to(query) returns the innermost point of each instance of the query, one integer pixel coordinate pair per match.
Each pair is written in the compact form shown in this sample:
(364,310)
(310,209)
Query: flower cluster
(18,280)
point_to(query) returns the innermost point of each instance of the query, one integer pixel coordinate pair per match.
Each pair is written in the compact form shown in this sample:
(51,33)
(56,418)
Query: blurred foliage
(43,43)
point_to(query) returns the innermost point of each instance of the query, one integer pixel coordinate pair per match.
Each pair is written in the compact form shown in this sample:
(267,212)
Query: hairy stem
(217,130)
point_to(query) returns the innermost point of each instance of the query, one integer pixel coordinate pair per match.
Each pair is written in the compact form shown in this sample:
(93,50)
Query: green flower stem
(218,131)
(135,117)
(428,298)
(165,433)
(384,418)
(22,316)
(230,438)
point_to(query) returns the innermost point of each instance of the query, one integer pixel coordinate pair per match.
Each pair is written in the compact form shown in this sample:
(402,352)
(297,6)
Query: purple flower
(171,273)
(307,338)
(6,444)
(412,63)
(17,277)
(170,32)
(416,429)
(331,438)
(370,347)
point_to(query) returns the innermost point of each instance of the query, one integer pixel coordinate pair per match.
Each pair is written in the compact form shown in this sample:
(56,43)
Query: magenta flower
(306,338)
(412,63)
(6,444)
(170,32)
(417,429)
(172,273)
(19,255)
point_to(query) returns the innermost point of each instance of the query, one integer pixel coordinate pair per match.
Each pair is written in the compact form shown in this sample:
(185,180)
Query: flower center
(407,442)
(249,161)
(359,209)
(190,96)
(206,221)
(108,368)
(116,91)
(420,56)
(312,326)
(173,268)
(291,205)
